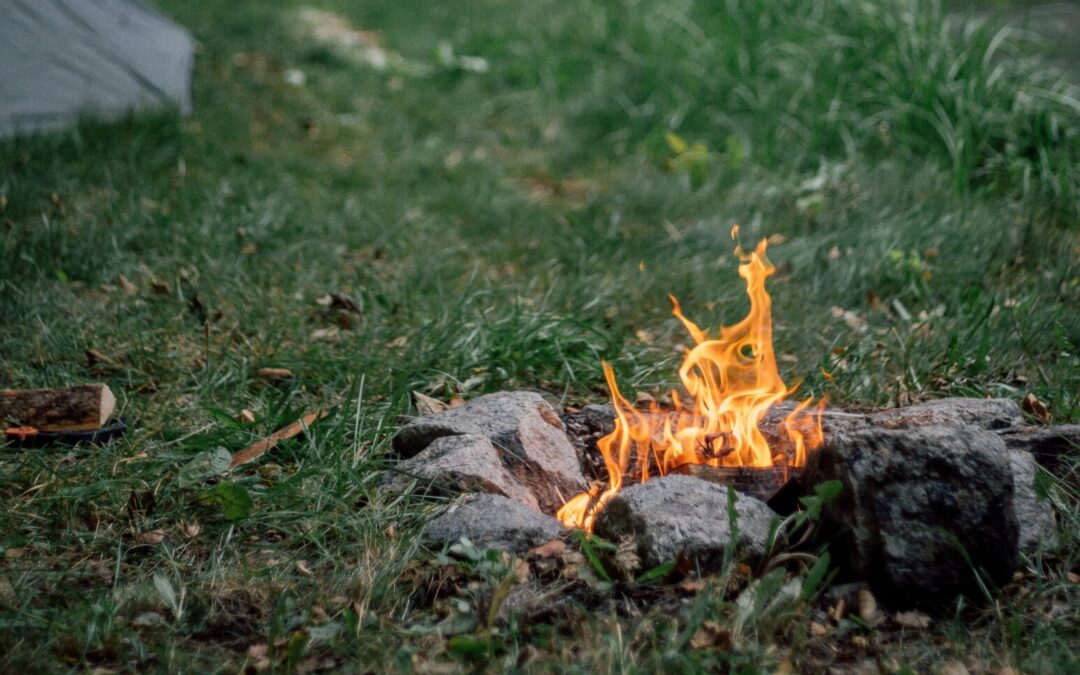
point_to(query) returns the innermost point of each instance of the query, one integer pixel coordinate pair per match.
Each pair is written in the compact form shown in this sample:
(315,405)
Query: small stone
(465,463)
(524,428)
(491,521)
(678,515)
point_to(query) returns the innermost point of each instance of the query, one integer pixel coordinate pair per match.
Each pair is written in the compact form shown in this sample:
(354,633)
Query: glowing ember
(731,382)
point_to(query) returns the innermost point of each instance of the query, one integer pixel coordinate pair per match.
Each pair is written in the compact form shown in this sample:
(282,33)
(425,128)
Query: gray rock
(1035,517)
(674,515)
(914,503)
(491,521)
(465,463)
(985,413)
(1048,444)
(525,430)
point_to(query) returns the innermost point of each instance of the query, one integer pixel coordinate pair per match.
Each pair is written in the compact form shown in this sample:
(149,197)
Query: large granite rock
(678,515)
(525,430)
(465,463)
(491,521)
(917,505)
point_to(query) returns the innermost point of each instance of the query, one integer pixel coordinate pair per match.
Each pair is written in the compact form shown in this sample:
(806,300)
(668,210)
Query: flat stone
(985,413)
(527,433)
(491,521)
(465,463)
(677,515)
(915,504)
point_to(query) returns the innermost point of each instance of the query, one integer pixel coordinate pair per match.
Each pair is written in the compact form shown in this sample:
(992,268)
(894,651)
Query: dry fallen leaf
(327,334)
(258,654)
(151,537)
(302,568)
(189,530)
(245,416)
(1073,577)
(397,342)
(711,634)
(1036,408)
(952,668)
(427,405)
(627,560)
(126,284)
(552,549)
(818,630)
(692,585)
(15,552)
(913,619)
(275,374)
(860,642)
(521,571)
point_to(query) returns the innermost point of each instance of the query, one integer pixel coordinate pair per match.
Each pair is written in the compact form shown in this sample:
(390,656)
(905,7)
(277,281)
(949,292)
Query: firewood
(79,408)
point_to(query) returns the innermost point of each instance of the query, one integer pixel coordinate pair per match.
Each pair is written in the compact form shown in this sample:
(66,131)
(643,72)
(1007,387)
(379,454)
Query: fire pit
(932,497)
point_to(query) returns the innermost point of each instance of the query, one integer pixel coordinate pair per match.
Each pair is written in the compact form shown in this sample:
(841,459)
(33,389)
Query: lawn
(505,194)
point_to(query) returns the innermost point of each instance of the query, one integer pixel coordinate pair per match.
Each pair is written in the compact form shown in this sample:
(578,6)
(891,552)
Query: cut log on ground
(79,408)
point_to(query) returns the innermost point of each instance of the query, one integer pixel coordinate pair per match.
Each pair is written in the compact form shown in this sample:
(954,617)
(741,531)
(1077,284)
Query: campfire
(913,498)
(730,382)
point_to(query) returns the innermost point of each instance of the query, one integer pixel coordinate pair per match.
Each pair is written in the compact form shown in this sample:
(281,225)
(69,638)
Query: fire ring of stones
(933,498)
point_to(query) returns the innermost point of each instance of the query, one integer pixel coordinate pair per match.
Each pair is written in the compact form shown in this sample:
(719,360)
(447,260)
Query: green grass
(509,229)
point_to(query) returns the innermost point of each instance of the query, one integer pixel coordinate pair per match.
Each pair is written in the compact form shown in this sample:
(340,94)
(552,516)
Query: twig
(259,448)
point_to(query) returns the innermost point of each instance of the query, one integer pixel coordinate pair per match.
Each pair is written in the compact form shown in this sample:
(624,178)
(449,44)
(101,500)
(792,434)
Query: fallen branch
(260,448)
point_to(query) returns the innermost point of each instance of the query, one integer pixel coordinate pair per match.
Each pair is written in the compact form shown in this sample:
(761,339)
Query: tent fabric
(60,59)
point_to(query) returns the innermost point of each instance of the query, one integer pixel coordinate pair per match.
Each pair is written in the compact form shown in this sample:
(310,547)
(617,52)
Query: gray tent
(60,59)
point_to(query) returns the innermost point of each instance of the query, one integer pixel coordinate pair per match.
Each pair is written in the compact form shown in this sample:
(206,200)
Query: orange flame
(731,383)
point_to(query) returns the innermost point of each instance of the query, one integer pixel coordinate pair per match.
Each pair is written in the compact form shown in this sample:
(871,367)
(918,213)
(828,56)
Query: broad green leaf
(233,500)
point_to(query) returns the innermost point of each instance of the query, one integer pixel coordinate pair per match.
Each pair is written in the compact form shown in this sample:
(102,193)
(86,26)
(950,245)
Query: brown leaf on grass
(397,342)
(126,284)
(711,634)
(868,608)
(245,416)
(325,334)
(952,668)
(189,530)
(1073,577)
(258,654)
(15,552)
(259,448)
(552,549)
(837,611)
(427,405)
(456,401)
(275,374)
(1036,408)
(693,585)
(302,568)
(151,537)
(94,358)
(521,571)
(818,630)
(912,619)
